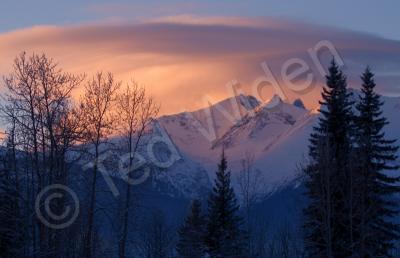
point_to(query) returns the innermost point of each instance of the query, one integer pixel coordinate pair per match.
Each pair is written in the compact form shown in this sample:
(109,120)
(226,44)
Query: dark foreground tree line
(44,127)
(352,178)
(351,210)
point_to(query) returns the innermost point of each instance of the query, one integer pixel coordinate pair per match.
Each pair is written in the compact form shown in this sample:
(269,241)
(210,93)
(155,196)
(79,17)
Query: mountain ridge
(277,136)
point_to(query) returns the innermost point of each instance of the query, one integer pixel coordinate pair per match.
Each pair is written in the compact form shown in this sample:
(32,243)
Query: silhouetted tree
(225,236)
(376,155)
(135,111)
(250,189)
(191,234)
(329,177)
(12,223)
(98,122)
(37,105)
(157,238)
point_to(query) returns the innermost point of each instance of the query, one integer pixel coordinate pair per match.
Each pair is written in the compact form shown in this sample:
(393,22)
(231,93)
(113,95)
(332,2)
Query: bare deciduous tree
(157,239)
(98,121)
(250,188)
(135,112)
(37,102)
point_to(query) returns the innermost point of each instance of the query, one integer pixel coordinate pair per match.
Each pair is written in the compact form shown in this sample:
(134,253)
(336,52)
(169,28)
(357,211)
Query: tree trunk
(88,240)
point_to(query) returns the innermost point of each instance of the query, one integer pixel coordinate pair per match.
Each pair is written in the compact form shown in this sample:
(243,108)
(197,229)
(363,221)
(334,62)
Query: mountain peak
(276,98)
(299,103)
(248,101)
(273,102)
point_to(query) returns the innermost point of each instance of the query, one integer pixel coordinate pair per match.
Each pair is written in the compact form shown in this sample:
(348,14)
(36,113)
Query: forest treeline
(351,183)
(44,125)
(350,177)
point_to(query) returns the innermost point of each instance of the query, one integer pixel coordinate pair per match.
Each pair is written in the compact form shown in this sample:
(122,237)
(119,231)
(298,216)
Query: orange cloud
(182,59)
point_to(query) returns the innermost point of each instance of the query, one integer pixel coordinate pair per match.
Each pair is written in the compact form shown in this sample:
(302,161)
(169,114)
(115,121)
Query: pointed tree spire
(329,174)
(376,156)
(224,234)
(191,234)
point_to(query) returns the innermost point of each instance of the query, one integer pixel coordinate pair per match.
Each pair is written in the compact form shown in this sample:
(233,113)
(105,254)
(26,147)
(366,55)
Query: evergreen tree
(376,156)
(328,218)
(12,223)
(191,234)
(11,240)
(224,234)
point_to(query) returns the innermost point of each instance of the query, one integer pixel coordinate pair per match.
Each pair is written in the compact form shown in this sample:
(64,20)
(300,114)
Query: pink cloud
(180,59)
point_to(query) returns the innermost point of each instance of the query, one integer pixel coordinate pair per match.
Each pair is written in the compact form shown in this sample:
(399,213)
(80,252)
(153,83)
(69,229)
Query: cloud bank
(182,59)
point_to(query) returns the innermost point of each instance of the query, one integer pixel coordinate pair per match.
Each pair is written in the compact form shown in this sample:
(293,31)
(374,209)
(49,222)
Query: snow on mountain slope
(184,176)
(195,132)
(276,136)
(391,110)
(259,130)
(157,162)
(266,127)
(280,162)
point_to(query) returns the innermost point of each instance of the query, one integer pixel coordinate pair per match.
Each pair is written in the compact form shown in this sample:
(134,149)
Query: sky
(186,53)
(376,17)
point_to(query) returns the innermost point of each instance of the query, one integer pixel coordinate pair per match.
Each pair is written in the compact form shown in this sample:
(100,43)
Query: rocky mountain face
(182,150)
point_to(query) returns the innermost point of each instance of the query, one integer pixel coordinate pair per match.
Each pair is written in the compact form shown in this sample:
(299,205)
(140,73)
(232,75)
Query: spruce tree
(191,234)
(12,222)
(328,219)
(376,157)
(11,230)
(224,234)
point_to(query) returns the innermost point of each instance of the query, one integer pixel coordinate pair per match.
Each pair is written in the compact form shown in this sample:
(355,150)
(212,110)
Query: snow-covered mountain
(182,152)
(276,135)
(243,125)
(195,132)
